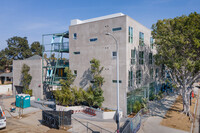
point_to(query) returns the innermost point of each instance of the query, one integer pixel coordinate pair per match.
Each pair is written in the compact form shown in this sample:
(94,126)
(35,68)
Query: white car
(2,119)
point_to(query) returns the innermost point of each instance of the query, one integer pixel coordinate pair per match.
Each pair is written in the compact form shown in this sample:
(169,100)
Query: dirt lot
(29,123)
(174,118)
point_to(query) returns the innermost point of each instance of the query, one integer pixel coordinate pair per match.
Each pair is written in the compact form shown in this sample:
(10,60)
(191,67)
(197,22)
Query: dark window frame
(141,57)
(77,52)
(93,39)
(117,29)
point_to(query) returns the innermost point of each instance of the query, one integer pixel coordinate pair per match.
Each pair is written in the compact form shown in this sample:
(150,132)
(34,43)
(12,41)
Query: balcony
(61,47)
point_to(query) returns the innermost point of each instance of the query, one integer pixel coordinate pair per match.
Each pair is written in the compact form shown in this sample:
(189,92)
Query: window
(151,73)
(133,53)
(75,72)
(115,81)
(116,29)
(130,78)
(150,58)
(157,72)
(141,39)
(114,54)
(77,52)
(130,34)
(141,57)
(138,76)
(74,36)
(151,42)
(93,39)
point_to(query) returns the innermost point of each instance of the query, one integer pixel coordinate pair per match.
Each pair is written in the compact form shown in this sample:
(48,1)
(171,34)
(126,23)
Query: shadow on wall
(86,78)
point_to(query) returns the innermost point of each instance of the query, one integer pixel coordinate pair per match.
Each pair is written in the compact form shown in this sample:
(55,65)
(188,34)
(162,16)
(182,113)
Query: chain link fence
(132,125)
(56,119)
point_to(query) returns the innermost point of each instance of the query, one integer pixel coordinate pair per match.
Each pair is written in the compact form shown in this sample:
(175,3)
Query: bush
(144,103)
(28,91)
(152,97)
(137,106)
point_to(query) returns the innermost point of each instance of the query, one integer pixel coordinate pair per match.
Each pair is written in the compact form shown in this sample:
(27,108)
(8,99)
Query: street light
(117,65)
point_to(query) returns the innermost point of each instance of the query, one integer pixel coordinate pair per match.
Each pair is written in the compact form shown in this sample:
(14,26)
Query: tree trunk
(186,101)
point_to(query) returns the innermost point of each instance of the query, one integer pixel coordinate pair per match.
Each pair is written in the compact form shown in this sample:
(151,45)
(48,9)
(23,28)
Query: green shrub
(144,103)
(28,91)
(137,106)
(152,97)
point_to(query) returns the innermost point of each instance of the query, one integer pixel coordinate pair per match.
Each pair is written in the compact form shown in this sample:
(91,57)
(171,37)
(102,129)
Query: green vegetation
(69,95)
(178,47)
(152,97)
(18,49)
(138,105)
(26,79)
(97,83)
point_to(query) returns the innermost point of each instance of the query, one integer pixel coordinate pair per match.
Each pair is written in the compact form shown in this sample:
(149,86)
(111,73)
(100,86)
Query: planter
(98,113)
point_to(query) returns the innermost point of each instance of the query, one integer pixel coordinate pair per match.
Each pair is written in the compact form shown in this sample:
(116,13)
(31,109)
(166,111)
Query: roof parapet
(77,21)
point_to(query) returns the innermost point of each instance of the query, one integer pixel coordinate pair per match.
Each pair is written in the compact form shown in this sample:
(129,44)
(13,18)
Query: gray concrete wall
(36,73)
(102,50)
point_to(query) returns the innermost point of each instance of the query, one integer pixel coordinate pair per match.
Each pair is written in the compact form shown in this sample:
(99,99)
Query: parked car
(2,119)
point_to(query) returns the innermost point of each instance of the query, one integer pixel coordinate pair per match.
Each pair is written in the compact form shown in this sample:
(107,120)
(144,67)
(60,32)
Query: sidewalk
(158,110)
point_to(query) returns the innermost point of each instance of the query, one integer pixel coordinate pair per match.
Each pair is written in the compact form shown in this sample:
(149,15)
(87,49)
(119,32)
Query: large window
(130,78)
(141,57)
(157,72)
(133,54)
(130,34)
(138,76)
(150,58)
(141,39)
(151,42)
(151,73)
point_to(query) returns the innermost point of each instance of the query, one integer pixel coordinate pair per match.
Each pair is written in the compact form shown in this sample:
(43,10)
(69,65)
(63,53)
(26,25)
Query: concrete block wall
(36,73)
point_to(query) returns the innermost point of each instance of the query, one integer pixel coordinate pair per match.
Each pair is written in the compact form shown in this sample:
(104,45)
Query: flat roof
(78,21)
(10,75)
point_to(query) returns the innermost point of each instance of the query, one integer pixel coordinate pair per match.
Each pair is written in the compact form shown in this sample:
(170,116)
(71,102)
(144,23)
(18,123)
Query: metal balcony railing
(61,46)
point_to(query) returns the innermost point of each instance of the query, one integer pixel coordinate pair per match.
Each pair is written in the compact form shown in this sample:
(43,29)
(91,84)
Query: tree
(3,60)
(18,49)
(70,78)
(36,48)
(98,81)
(178,47)
(78,95)
(67,95)
(26,79)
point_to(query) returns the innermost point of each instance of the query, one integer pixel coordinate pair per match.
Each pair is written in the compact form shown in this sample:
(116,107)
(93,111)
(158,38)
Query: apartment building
(87,40)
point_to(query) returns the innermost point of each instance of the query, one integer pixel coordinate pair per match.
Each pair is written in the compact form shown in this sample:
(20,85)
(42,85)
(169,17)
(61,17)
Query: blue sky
(32,18)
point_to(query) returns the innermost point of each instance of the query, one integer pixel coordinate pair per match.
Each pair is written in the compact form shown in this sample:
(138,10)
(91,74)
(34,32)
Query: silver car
(2,119)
